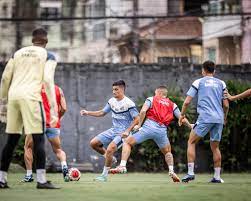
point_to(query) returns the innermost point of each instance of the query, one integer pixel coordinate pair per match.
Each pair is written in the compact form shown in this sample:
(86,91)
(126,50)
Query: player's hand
(83,112)
(125,134)
(136,128)
(181,119)
(228,96)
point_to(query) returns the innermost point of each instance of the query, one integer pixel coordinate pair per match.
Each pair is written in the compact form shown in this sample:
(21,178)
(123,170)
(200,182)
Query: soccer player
(124,118)
(212,109)
(159,112)
(242,95)
(53,135)
(21,85)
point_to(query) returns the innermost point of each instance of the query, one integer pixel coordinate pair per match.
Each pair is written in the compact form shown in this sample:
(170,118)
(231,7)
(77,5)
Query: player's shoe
(101,178)
(27,178)
(65,172)
(188,178)
(47,185)
(213,180)
(118,170)
(4,185)
(174,177)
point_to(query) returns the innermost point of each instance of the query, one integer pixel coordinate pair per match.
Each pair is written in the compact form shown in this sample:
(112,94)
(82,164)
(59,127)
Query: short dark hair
(39,34)
(119,83)
(162,87)
(208,66)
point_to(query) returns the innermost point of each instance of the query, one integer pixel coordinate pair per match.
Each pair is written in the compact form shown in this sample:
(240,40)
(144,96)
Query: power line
(124,17)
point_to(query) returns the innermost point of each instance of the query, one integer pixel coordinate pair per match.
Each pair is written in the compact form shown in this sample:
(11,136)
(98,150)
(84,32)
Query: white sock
(3,176)
(217,173)
(41,178)
(190,168)
(105,171)
(63,164)
(170,168)
(28,172)
(123,163)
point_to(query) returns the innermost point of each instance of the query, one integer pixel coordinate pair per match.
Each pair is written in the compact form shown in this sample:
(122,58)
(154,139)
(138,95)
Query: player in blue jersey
(124,117)
(212,109)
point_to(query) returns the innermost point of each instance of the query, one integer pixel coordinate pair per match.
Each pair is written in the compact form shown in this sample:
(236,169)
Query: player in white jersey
(21,85)
(124,118)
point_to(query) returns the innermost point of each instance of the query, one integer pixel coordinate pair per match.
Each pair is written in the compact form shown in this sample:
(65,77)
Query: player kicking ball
(212,108)
(159,112)
(124,118)
(53,135)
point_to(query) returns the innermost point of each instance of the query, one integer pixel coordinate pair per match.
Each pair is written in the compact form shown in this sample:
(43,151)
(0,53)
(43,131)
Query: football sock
(123,163)
(190,168)
(63,164)
(105,171)
(170,168)
(28,172)
(41,176)
(217,173)
(3,176)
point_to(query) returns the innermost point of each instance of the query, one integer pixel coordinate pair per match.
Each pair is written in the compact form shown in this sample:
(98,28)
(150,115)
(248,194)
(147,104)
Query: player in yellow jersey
(20,91)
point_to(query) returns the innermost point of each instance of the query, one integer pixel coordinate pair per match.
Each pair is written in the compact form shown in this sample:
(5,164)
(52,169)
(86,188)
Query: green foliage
(236,142)
(147,154)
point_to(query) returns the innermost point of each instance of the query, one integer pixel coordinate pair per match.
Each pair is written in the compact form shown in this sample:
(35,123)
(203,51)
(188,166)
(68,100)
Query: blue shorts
(215,130)
(52,132)
(151,130)
(109,136)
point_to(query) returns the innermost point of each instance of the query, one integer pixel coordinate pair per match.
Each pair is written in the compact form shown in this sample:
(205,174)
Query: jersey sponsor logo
(211,83)
(163,102)
(119,116)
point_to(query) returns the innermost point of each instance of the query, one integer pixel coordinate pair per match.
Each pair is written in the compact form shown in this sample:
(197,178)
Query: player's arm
(49,72)
(63,106)
(4,89)
(99,113)
(185,105)
(242,95)
(6,80)
(177,114)
(225,109)
(142,114)
(135,115)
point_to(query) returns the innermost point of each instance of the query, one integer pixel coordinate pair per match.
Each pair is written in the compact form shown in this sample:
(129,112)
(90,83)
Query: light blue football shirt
(210,91)
(123,113)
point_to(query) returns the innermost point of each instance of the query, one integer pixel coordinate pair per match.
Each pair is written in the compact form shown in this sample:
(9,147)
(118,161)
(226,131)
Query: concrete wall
(89,86)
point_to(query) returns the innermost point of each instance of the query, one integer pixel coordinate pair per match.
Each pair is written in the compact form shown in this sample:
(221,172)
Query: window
(50,9)
(211,54)
(173,60)
(99,31)
(49,12)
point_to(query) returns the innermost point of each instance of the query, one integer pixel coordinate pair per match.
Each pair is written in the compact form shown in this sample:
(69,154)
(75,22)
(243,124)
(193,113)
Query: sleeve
(6,80)
(176,111)
(148,103)
(133,112)
(107,108)
(194,88)
(49,71)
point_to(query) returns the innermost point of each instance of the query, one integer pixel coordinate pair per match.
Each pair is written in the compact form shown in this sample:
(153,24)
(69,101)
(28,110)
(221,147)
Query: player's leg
(34,123)
(53,135)
(28,158)
(111,149)
(215,137)
(101,141)
(14,128)
(7,154)
(142,135)
(199,131)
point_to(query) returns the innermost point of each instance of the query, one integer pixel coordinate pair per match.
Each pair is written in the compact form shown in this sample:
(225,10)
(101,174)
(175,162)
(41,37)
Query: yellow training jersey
(25,72)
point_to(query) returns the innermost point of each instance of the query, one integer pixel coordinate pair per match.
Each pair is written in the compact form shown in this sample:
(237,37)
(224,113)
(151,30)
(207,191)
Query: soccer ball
(74,174)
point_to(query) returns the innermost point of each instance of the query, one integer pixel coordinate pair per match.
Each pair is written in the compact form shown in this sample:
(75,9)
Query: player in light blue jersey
(212,108)
(124,117)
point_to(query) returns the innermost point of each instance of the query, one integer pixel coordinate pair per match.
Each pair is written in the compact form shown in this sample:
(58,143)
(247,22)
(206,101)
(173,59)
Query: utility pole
(135,27)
